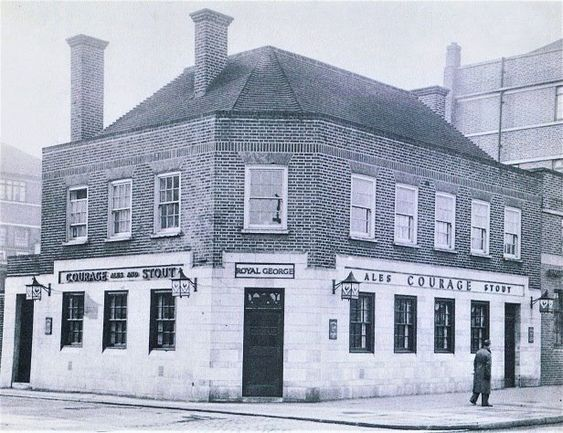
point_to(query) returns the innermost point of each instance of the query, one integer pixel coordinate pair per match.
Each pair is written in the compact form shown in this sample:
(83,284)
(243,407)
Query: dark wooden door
(262,370)
(23,340)
(510,320)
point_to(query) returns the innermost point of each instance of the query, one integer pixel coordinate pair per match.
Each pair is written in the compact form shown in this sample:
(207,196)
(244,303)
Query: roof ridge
(274,51)
(245,84)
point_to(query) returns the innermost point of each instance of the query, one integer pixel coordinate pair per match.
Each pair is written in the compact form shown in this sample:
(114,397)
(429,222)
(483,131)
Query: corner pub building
(258,182)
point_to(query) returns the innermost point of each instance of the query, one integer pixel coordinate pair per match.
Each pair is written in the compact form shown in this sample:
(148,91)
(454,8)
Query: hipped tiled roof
(269,80)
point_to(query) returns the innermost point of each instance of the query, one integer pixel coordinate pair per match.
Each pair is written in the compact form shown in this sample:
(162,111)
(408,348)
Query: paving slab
(513,407)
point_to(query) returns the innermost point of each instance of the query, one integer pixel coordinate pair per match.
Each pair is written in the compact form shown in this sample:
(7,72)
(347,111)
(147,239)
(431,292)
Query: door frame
(280,290)
(511,312)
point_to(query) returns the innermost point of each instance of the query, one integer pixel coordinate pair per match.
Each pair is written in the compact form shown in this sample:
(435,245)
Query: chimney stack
(86,86)
(433,97)
(453,62)
(210,47)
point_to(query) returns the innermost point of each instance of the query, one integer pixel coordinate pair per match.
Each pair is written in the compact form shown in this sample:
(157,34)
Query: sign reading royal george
(440,282)
(139,273)
(265,270)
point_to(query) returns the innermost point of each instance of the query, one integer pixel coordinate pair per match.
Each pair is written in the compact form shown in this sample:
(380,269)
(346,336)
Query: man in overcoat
(482,374)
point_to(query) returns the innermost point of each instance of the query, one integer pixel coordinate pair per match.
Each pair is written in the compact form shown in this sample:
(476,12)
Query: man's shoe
(488,405)
(473,402)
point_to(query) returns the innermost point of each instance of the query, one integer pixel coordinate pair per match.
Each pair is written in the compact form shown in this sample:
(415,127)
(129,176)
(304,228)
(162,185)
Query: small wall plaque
(48,325)
(531,334)
(332,329)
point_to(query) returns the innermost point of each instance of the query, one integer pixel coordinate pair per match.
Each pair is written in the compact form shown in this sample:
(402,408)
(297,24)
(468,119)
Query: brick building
(513,109)
(20,210)
(267,178)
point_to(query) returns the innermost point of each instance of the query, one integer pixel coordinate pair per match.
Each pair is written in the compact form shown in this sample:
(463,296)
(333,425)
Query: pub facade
(206,245)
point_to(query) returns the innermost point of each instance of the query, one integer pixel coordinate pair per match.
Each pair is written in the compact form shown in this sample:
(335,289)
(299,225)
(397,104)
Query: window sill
(265,231)
(169,234)
(512,259)
(360,351)
(75,242)
(118,239)
(405,244)
(362,238)
(162,349)
(412,352)
(71,347)
(444,352)
(482,255)
(445,250)
(117,349)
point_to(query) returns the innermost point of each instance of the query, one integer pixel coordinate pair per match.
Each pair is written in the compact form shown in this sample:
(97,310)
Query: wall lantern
(33,290)
(181,285)
(350,287)
(546,303)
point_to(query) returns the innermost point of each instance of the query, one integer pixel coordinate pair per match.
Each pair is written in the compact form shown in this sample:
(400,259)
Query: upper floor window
(21,237)
(12,190)
(77,213)
(512,227)
(444,231)
(559,103)
(406,205)
(362,323)
(480,227)
(3,236)
(73,317)
(362,207)
(168,202)
(265,198)
(120,208)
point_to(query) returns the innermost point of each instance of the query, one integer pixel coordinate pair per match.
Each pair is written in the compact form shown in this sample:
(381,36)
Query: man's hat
(487,342)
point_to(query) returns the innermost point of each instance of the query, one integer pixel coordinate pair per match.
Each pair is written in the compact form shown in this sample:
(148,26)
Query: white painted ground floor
(265,325)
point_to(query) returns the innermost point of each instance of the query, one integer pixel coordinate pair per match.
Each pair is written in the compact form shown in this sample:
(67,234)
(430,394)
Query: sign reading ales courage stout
(140,273)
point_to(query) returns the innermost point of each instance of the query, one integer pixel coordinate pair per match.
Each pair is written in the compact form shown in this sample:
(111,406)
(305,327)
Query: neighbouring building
(267,178)
(513,109)
(20,210)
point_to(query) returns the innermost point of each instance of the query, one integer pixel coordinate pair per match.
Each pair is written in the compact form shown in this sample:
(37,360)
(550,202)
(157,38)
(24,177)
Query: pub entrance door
(511,317)
(23,339)
(262,363)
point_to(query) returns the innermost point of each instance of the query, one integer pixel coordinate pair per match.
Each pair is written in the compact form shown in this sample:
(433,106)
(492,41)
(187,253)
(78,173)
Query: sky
(402,43)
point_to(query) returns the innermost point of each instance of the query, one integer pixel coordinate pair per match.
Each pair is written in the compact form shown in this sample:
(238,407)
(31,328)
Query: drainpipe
(501,102)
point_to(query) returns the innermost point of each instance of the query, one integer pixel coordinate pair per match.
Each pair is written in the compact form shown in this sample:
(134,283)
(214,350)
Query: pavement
(512,407)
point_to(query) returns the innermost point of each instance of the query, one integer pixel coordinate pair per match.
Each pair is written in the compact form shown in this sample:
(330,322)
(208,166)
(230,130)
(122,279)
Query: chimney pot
(211,41)
(86,86)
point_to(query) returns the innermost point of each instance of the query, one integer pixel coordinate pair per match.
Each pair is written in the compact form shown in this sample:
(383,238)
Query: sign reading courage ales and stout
(138,273)
(440,282)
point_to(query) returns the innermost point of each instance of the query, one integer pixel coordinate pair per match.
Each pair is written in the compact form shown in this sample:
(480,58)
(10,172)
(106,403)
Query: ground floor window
(72,319)
(558,317)
(163,320)
(361,323)
(444,325)
(115,320)
(405,323)
(479,324)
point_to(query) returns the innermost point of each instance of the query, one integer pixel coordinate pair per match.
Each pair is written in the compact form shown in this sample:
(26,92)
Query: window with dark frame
(444,325)
(72,319)
(163,320)
(115,320)
(558,317)
(362,323)
(479,324)
(405,324)
(559,103)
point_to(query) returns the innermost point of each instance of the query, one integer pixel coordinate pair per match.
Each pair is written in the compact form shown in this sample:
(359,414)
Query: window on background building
(120,208)
(479,324)
(444,325)
(265,206)
(406,204)
(444,231)
(362,323)
(3,236)
(480,227)
(362,207)
(168,202)
(559,103)
(405,323)
(163,320)
(558,317)
(73,317)
(21,237)
(512,227)
(115,320)
(12,190)
(77,213)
